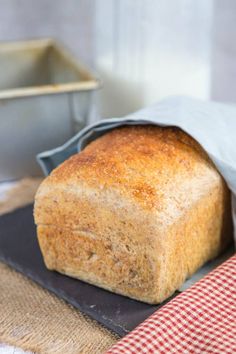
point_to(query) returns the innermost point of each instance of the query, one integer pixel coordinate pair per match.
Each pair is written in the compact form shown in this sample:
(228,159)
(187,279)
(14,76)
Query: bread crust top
(159,169)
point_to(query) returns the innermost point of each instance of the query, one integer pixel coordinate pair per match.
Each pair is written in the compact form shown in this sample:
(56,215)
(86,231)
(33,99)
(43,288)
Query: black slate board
(19,248)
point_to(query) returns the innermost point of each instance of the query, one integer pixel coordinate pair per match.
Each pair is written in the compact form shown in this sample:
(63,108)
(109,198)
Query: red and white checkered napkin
(202,320)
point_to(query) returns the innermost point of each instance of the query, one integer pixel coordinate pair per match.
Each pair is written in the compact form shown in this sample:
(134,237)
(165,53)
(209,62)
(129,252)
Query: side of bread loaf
(138,211)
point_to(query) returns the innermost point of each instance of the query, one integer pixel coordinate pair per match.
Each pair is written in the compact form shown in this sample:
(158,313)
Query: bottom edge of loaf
(92,280)
(102,285)
(63,258)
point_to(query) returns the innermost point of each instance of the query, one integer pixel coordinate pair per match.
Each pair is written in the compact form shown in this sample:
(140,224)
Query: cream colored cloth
(33,319)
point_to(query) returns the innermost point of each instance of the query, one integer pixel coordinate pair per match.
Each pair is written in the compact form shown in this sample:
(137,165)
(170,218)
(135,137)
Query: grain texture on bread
(138,211)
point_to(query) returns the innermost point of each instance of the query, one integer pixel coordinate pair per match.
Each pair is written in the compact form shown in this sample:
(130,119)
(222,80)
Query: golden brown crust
(138,199)
(129,158)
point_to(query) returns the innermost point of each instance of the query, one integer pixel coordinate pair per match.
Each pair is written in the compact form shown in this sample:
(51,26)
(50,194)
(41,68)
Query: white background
(142,49)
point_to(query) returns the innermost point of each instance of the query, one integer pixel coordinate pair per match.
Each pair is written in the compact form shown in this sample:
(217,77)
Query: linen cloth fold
(212,124)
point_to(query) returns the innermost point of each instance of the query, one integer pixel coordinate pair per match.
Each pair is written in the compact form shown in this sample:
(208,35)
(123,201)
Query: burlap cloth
(34,319)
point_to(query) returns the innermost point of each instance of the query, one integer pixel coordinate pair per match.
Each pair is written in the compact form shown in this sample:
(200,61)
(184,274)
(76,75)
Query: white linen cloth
(8,349)
(212,124)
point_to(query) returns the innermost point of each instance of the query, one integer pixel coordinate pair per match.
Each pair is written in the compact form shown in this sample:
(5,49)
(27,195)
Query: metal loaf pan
(46,96)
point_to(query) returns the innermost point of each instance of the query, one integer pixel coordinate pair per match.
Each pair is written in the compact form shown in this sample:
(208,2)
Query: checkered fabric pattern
(200,320)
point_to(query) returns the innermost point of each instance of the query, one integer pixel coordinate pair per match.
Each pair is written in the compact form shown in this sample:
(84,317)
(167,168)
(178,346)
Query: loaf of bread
(137,212)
